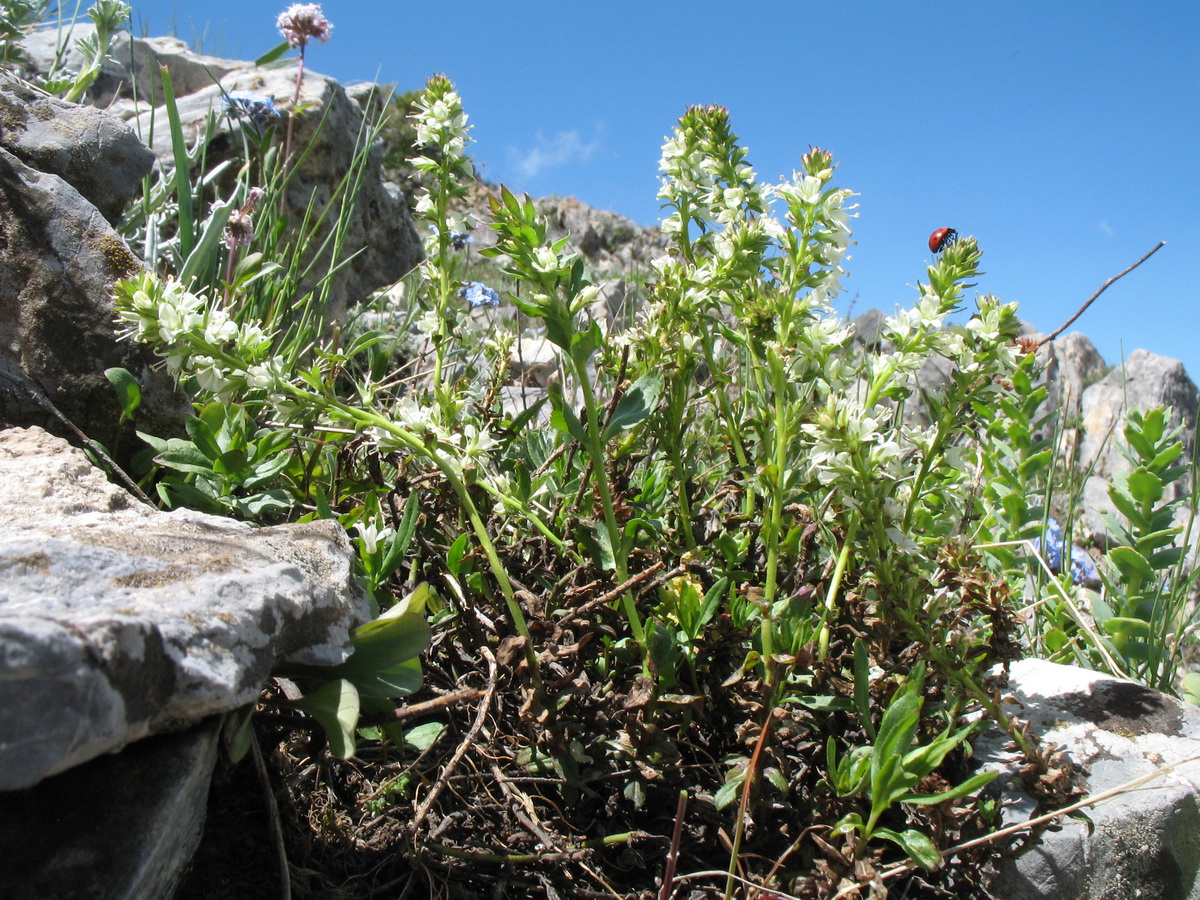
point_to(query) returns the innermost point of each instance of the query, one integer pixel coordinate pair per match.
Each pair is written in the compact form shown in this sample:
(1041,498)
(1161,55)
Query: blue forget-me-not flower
(1083,567)
(248,105)
(477,294)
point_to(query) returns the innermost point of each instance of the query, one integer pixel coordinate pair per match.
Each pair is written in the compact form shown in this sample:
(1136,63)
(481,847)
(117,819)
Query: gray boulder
(1071,364)
(133,69)
(119,621)
(98,155)
(1143,843)
(124,825)
(58,262)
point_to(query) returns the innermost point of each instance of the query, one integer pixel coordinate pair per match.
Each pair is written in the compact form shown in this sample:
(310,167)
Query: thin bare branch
(1103,288)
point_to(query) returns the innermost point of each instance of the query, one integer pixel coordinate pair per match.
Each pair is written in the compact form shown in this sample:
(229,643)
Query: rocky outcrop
(1144,842)
(118,621)
(132,73)
(379,244)
(1070,365)
(94,152)
(615,247)
(60,166)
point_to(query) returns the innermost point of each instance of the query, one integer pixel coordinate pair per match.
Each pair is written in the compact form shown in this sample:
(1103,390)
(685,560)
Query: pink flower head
(239,229)
(302,21)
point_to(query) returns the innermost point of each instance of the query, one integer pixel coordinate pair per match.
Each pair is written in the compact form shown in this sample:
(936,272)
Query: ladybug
(941,239)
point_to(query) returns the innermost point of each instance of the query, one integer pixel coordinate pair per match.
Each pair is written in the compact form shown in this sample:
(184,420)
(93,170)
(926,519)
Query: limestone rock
(97,154)
(123,825)
(1071,364)
(58,261)
(118,621)
(134,67)
(1145,843)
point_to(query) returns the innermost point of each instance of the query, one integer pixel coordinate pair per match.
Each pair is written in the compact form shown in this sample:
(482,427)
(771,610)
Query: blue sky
(1064,135)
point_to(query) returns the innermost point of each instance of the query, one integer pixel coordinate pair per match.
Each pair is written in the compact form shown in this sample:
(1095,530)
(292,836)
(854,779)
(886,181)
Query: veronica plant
(1143,610)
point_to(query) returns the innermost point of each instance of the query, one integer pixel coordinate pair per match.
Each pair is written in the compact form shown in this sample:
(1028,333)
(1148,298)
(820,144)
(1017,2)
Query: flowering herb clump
(714,560)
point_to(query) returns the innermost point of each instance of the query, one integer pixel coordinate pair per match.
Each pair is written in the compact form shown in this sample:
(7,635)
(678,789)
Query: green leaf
(727,793)
(1131,564)
(175,493)
(918,846)
(1127,627)
(972,784)
(1145,487)
(457,554)
(848,823)
(635,405)
(182,456)
(156,443)
(231,463)
(563,416)
(335,705)
(900,719)
(180,177)
(862,686)
(273,54)
(824,703)
(203,438)
(254,506)
(424,736)
(203,255)
(1191,688)
(594,537)
(1166,457)
(237,731)
(129,394)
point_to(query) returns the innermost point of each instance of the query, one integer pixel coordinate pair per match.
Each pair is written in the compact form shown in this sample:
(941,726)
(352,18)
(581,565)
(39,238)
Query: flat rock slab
(1144,843)
(118,620)
(121,826)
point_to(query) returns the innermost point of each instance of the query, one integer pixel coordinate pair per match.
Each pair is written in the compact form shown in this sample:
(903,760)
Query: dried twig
(448,769)
(420,709)
(1103,288)
(668,884)
(620,590)
(523,808)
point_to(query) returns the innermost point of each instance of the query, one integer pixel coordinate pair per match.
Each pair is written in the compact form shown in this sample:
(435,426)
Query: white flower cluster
(196,337)
(702,179)
(442,136)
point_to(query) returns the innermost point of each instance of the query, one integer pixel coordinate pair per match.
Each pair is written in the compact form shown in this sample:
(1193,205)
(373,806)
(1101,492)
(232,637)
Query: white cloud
(1105,227)
(549,153)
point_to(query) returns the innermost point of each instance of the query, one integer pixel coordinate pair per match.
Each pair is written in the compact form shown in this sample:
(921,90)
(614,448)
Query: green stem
(774,520)
(600,475)
(835,585)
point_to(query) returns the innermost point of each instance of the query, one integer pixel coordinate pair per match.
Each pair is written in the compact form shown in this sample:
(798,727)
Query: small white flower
(371,534)
(545,260)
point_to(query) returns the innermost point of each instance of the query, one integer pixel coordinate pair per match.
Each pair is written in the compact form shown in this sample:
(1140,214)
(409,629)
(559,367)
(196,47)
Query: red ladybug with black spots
(941,239)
